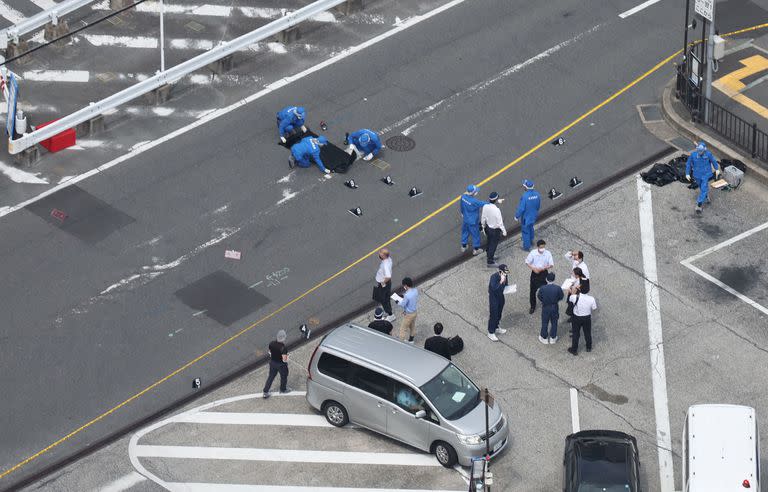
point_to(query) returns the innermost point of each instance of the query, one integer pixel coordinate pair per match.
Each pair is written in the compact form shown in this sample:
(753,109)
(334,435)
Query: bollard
(91,127)
(27,157)
(159,95)
(119,4)
(222,65)
(289,35)
(15,49)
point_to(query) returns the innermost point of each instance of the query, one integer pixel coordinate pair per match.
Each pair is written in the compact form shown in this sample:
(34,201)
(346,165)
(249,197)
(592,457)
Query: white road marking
(44,4)
(209,10)
(226,487)
(279,84)
(57,75)
(688,263)
(285,455)
(10,13)
(238,418)
(420,117)
(200,312)
(122,41)
(18,176)
(637,9)
(257,283)
(655,338)
(575,410)
(123,483)
(287,195)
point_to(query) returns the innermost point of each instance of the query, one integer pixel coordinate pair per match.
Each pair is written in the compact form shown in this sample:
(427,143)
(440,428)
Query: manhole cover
(400,143)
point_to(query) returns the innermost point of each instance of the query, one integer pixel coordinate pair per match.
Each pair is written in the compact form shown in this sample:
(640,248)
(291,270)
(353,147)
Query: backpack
(456,344)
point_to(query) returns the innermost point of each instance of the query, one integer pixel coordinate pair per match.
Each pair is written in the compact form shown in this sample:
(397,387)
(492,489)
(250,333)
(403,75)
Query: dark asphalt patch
(223,298)
(400,143)
(88,218)
(603,395)
(741,279)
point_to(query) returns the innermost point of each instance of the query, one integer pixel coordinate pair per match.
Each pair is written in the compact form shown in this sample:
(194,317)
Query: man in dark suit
(379,323)
(439,344)
(549,295)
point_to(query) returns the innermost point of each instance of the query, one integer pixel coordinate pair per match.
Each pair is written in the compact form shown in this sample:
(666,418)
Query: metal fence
(735,129)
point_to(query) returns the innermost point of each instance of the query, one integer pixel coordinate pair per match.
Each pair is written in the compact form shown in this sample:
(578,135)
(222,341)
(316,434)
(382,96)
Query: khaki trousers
(408,326)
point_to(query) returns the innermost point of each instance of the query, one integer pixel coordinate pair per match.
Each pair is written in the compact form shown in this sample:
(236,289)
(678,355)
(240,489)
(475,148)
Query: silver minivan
(371,379)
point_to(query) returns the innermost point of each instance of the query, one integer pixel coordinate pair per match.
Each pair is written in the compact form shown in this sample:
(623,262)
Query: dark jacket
(381,325)
(496,286)
(550,294)
(439,345)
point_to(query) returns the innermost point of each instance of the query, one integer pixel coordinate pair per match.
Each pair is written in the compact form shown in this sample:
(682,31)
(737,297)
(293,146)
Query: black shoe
(589,349)
(266,395)
(287,389)
(571,351)
(530,311)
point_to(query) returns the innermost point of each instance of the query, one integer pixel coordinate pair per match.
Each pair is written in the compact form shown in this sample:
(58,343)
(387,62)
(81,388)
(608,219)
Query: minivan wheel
(445,454)
(336,414)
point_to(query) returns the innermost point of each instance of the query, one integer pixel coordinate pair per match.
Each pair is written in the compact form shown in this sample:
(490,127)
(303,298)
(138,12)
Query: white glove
(687,177)
(504,233)
(517,220)
(327,171)
(368,157)
(282,139)
(500,200)
(717,173)
(304,128)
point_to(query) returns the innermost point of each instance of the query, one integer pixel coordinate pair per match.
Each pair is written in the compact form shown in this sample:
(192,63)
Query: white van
(721,449)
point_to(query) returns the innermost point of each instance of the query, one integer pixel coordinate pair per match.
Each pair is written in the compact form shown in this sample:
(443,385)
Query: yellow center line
(356,262)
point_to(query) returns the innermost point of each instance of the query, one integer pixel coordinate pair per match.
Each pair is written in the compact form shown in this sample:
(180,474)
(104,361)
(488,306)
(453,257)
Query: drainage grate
(400,143)
(651,113)
(682,143)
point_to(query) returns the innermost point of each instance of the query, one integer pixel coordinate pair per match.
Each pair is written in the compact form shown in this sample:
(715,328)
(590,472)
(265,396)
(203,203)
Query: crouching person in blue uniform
(306,151)
(365,143)
(289,120)
(703,164)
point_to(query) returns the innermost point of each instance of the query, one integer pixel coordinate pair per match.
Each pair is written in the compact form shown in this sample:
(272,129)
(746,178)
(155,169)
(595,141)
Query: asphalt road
(95,309)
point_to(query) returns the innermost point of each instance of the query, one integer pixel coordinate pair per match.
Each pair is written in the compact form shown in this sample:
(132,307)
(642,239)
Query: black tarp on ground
(334,158)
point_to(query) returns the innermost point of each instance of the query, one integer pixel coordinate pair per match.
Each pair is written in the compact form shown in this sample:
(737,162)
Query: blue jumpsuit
(289,119)
(495,301)
(702,165)
(307,150)
(372,146)
(470,212)
(527,212)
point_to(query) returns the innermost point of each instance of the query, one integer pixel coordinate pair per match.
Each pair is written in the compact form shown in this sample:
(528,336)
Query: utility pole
(685,36)
(162,37)
(709,65)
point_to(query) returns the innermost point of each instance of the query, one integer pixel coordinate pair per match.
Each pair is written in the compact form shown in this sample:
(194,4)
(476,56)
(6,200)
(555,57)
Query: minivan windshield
(452,393)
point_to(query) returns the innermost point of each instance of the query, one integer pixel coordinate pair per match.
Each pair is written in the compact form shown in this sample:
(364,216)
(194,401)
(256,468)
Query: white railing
(171,75)
(39,20)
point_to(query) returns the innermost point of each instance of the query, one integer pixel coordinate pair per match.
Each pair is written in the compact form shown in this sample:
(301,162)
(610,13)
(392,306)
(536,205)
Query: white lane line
(726,243)
(285,455)
(238,418)
(199,313)
(57,75)
(655,338)
(227,487)
(10,13)
(727,288)
(257,283)
(122,483)
(18,176)
(575,410)
(279,84)
(425,114)
(637,9)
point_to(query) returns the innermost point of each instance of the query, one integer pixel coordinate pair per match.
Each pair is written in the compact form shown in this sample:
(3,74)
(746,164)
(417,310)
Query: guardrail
(39,20)
(735,129)
(171,75)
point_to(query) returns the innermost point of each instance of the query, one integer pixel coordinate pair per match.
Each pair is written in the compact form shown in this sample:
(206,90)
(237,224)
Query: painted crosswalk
(265,440)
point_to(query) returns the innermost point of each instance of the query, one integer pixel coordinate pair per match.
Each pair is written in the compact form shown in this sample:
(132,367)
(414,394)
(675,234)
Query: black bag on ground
(678,167)
(456,344)
(659,175)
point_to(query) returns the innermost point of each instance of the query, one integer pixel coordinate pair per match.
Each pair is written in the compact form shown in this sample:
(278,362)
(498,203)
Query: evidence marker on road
(558,141)
(357,211)
(351,184)
(554,194)
(575,182)
(387,180)
(414,192)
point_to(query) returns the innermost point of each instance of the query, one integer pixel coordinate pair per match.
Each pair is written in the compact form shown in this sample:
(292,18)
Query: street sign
(13,92)
(705,8)
(694,68)
(487,397)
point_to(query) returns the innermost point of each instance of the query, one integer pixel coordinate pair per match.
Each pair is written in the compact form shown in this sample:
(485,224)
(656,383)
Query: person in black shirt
(439,344)
(278,363)
(379,323)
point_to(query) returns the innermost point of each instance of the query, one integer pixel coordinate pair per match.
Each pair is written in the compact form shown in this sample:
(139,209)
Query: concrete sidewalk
(714,343)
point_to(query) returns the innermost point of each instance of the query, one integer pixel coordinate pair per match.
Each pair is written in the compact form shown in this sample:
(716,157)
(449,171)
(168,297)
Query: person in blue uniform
(470,214)
(527,213)
(365,143)
(701,164)
(306,151)
(290,119)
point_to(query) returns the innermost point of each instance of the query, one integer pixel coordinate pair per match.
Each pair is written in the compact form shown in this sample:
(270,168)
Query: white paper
(510,289)
(458,396)
(396,298)
(231,253)
(568,283)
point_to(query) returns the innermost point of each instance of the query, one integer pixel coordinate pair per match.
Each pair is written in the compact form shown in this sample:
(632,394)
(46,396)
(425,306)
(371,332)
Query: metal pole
(710,64)
(487,443)
(162,37)
(702,60)
(685,37)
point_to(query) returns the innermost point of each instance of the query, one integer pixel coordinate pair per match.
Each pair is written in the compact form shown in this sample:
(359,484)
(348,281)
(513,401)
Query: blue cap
(472,189)
(527,184)
(701,147)
(365,138)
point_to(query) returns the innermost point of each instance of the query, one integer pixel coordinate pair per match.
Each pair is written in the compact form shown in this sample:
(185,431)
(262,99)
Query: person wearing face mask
(289,120)
(365,143)
(304,152)
(702,163)
(539,261)
(527,212)
(576,258)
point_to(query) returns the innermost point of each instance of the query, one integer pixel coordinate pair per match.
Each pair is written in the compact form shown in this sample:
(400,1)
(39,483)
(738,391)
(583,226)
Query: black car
(601,461)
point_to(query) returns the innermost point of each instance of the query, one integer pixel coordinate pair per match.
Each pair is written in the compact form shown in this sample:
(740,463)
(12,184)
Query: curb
(688,129)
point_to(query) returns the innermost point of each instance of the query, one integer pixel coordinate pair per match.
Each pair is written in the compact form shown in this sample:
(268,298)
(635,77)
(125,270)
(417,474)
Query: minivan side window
(335,367)
(370,381)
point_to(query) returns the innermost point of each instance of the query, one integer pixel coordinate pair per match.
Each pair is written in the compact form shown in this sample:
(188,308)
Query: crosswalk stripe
(11,13)
(284,455)
(237,418)
(44,4)
(216,10)
(146,42)
(229,487)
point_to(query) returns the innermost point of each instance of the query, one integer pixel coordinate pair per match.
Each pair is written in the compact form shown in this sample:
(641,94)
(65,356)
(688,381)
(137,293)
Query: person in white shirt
(539,261)
(383,288)
(576,258)
(493,225)
(583,306)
